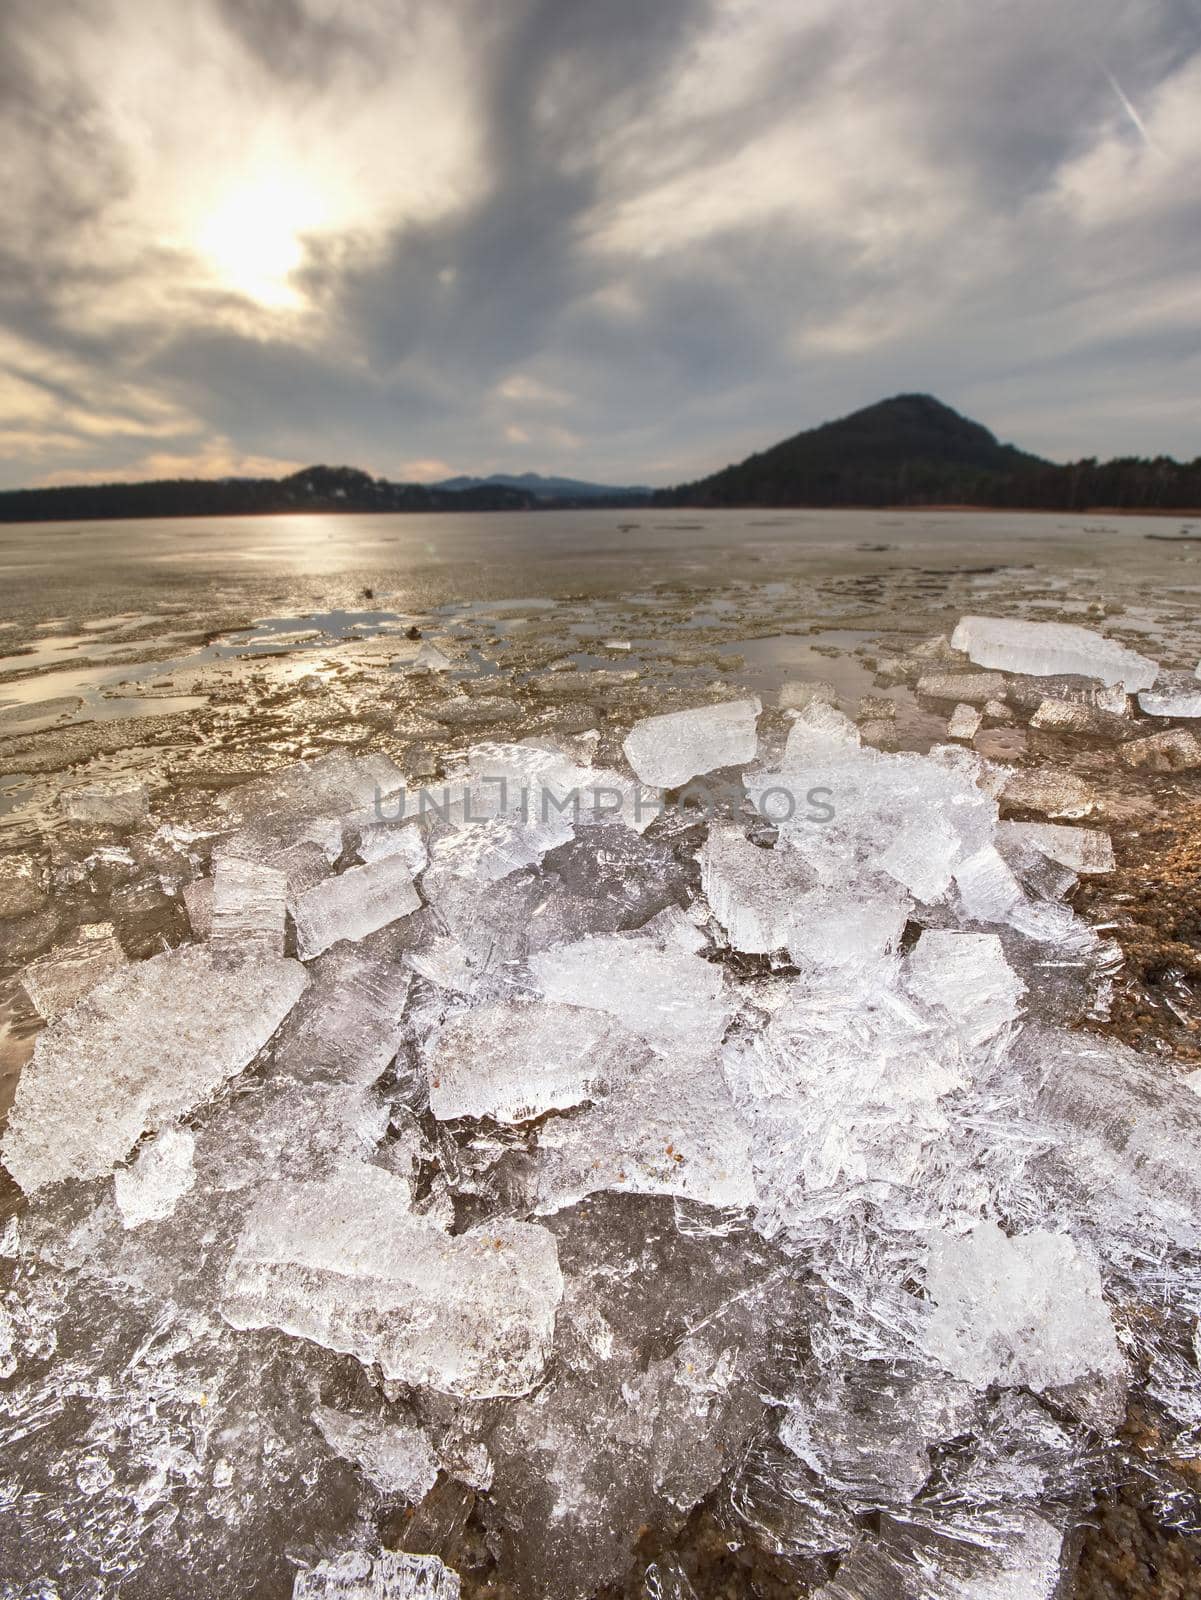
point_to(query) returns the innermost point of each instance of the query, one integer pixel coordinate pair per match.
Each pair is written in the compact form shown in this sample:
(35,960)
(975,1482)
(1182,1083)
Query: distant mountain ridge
(909,450)
(544,488)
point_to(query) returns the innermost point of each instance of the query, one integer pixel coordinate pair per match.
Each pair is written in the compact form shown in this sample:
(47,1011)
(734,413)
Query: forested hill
(314,489)
(913,450)
(908,451)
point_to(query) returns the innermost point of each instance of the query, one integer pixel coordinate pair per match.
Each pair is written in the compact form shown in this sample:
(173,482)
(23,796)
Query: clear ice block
(1044,648)
(394,1455)
(753,892)
(1083,850)
(56,981)
(343,1262)
(673,998)
(516,1061)
(249,905)
(144,1047)
(666,751)
(117,802)
(352,905)
(1022,1311)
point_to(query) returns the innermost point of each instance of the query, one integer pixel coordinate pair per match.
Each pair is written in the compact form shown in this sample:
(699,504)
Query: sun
(252,240)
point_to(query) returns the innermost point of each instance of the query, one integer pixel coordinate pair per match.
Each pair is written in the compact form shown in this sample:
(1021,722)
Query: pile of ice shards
(489,1181)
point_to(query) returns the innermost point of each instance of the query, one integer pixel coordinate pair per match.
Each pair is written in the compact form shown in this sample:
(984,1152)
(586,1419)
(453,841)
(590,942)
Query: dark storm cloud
(660,235)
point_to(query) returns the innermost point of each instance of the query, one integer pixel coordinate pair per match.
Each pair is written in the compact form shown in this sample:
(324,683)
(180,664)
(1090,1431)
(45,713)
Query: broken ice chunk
(151,1188)
(666,751)
(343,1262)
(671,1129)
(1043,648)
(64,976)
(676,1000)
(430,659)
(331,785)
(922,856)
(485,852)
(1127,1135)
(1175,694)
(1023,1311)
(844,1087)
(1088,722)
(988,890)
(1174,750)
(819,730)
(869,1431)
(395,1456)
(515,1062)
(347,1023)
(1022,1561)
(1083,850)
(964,722)
(970,688)
(267,839)
(145,1046)
(1049,790)
(119,802)
(542,782)
(796,696)
(966,976)
(353,904)
(388,1575)
(666,1579)
(833,929)
(198,902)
(291,1129)
(753,892)
(380,838)
(1028,693)
(249,905)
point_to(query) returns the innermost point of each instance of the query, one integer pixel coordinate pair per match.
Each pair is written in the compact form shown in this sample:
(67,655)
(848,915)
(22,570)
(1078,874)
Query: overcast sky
(622,239)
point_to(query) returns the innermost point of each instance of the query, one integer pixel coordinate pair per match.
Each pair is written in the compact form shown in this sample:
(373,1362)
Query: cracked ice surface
(139,1051)
(591,1168)
(344,1262)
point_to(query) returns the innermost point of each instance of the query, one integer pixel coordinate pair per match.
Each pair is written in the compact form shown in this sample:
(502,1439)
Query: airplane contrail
(1128,107)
